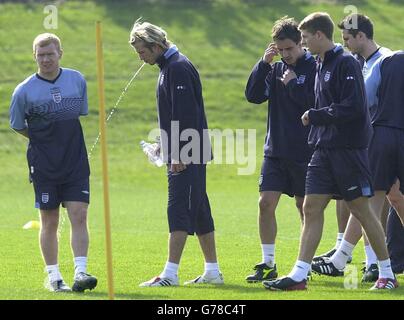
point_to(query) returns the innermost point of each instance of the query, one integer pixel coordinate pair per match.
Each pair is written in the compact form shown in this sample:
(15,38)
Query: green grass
(224,39)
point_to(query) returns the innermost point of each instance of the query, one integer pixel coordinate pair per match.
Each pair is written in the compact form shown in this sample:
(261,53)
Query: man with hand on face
(339,167)
(288,86)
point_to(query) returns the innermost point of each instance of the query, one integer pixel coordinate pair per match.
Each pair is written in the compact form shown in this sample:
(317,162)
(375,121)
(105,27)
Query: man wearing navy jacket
(181,115)
(340,130)
(386,153)
(288,86)
(384,169)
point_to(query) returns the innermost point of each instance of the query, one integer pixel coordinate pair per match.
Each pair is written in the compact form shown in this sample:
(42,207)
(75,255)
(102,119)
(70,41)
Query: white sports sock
(370,256)
(340,236)
(80,265)
(53,272)
(170,271)
(268,254)
(211,270)
(341,256)
(385,269)
(300,271)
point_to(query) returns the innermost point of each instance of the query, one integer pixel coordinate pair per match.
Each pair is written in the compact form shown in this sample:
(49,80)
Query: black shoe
(263,272)
(326,267)
(84,281)
(329,254)
(285,284)
(370,274)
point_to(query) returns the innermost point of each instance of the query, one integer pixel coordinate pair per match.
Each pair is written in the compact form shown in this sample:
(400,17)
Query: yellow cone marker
(32,225)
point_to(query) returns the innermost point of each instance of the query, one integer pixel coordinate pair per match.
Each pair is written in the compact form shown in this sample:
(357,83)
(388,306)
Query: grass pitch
(224,39)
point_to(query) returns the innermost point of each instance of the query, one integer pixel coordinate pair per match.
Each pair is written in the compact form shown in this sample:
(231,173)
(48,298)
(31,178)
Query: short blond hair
(150,34)
(45,39)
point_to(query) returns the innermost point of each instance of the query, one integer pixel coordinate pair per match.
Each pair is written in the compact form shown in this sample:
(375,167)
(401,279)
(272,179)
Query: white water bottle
(150,150)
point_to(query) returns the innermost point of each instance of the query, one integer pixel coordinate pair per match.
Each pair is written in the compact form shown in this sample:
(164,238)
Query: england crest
(56,95)
(301,79)
(327,76)
(45,197)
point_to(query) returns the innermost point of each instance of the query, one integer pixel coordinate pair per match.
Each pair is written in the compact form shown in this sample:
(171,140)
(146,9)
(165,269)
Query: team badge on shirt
(327,76)
(301,79)
(56,95)
(45,197)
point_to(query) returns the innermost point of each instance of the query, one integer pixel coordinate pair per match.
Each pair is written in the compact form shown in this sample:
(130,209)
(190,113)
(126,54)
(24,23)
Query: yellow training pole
(100,73)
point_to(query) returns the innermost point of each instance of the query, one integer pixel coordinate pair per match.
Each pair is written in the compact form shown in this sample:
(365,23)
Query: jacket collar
(331,54)
(163,59)
(307,56)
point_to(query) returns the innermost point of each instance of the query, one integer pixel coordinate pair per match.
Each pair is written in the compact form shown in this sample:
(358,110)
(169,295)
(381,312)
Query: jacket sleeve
(303,93)
(351,97)
(258,86)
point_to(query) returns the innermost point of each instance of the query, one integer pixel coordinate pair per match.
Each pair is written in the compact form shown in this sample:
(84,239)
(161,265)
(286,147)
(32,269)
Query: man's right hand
(177,167)
(23,132)
(305,118)
(270,53)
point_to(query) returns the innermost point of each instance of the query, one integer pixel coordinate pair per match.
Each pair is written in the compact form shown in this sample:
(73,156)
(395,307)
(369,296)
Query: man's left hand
(287,76)
(305,118)
(177,167)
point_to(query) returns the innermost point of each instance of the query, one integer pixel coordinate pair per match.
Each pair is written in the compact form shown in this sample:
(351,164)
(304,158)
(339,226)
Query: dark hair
(318,21)
(286,28)
(355,23)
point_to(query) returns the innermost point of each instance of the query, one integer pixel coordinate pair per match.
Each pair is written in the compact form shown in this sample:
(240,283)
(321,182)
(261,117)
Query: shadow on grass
(119,296)
(334,284)
(250,290)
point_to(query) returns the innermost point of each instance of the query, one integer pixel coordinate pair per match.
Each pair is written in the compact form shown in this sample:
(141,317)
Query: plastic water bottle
(150,150)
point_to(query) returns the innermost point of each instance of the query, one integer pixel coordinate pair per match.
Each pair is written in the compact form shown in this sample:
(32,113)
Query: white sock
(268,254)
(341,256)
(300,271)
(340,236)
(170,271)
(80,265)
(211,270)
(385,269)
(53,272)
(370,256)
